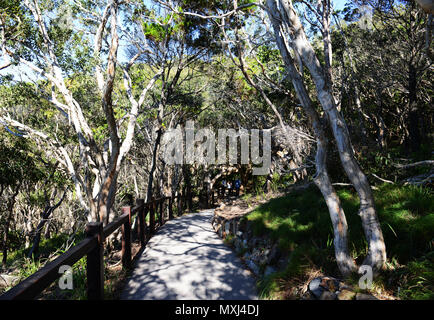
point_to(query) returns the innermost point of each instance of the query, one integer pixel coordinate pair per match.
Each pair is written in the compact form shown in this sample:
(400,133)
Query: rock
(259,256)
(256,255)
(343,286)
(238,245)
(274,255)
(266,252)
(346,295)
(315,288)
(227,227)
(330,284)
(253,266)
(327,295)
(246,256)
(362,296)
(220,232)
(269,270)
(7,280)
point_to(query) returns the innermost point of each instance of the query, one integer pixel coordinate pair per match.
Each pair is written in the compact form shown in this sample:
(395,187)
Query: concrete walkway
(187,260)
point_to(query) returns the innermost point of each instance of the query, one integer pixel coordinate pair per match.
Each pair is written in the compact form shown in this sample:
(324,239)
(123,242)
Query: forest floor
(298,222)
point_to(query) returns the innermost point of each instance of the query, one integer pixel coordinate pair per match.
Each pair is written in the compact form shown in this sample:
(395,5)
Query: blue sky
(339,4)
(18,71)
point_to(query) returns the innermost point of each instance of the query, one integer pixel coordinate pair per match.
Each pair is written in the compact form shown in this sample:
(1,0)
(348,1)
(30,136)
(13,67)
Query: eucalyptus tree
(33,36)
(180,50)
(290,28)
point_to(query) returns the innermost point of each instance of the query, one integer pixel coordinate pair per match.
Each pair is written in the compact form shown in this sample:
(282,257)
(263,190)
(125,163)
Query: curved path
(186,259)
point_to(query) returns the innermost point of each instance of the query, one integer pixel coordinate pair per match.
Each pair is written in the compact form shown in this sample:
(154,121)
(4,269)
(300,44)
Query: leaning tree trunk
(340,228)
(374,236)
(153,165)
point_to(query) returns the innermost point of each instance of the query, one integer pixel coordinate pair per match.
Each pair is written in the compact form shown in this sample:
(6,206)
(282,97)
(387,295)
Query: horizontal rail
(33,285)
(41,279)
(113,226)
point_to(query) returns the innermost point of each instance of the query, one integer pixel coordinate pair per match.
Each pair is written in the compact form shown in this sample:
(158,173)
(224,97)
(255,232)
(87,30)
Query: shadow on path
(187,260)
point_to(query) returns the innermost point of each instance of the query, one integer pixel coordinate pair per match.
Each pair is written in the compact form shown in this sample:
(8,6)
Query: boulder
(253,266)
(274,255)
(315,288)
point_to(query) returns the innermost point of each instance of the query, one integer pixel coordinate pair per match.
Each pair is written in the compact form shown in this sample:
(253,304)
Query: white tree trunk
(340,228)
(374,236)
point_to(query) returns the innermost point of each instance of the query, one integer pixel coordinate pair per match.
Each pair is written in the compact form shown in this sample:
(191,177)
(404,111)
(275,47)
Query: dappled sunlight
(187,260)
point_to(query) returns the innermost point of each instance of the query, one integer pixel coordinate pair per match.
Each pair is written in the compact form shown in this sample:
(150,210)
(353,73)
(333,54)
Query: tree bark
(153,165)
(374,236)
(340,228)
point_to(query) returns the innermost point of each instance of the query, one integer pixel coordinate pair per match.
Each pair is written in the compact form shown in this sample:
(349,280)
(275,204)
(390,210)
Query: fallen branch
(350,185)
(381,179)
(423,179)
(419,163)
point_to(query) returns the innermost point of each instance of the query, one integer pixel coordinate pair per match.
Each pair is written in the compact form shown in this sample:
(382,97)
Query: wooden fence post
(166,209)
(152,217)
(95,263)
(126,239)
(190,201)
(170,208)
(141,216)
(147,227)
(179,205)
(161,218)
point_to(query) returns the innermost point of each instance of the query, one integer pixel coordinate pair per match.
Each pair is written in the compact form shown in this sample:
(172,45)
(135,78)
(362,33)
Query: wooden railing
(93,247)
